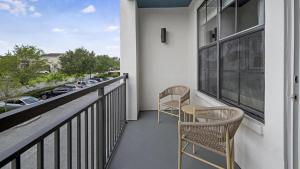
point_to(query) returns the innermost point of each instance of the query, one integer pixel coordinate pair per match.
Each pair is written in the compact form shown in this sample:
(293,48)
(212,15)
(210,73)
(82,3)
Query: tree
(78,62)
(105,63)
(30,63)
(8,76)
(18,67)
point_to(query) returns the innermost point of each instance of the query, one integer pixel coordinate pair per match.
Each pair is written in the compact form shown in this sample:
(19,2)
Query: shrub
(106,75)
(2,110)
(51,77)
(38,92)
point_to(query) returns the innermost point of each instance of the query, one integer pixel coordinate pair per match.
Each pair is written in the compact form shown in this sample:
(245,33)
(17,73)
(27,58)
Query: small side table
(191,111)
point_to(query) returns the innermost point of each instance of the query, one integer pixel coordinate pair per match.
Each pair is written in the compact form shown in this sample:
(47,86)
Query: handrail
(107,122)
(18,116)
(9,154)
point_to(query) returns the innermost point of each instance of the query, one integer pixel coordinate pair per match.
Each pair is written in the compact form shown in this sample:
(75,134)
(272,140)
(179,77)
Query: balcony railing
(104,122)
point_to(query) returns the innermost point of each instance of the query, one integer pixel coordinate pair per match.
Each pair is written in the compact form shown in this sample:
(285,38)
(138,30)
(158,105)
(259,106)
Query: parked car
(15,103)
(91,81)
(97,79)
(72,86)
(56,92)
(81,84)
(86,83)
(105,79)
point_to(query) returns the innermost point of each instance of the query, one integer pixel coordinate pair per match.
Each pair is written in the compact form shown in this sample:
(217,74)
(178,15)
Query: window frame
(252,112)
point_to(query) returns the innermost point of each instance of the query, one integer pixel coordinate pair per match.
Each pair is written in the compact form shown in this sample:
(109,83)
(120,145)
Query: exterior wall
(162,64)
(259,146)
(129,54)
(54,63)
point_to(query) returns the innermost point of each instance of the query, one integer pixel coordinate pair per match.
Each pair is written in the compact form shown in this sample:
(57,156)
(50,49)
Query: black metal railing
(99,126)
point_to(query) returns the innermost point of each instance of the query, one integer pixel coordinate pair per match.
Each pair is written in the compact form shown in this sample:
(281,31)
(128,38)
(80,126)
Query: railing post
(100,144)
(125,96)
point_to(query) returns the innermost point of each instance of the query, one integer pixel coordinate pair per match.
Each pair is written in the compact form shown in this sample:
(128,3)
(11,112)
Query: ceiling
(163,3)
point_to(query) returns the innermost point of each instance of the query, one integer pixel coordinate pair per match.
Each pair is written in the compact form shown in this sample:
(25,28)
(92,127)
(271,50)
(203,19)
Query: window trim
(252,112)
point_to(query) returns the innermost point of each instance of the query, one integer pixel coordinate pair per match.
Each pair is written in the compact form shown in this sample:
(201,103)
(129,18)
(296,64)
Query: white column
(129,53)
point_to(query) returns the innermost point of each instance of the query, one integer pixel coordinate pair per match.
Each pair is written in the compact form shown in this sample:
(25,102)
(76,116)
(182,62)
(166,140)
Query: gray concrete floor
(147,145)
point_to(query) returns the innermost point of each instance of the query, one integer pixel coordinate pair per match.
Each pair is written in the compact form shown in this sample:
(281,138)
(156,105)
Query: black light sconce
(163,35)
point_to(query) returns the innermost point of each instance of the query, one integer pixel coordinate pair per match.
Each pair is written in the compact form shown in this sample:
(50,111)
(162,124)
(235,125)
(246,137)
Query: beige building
(53,61)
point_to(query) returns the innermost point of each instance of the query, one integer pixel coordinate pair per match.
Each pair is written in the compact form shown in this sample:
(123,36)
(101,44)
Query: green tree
(78,62)
(30,63)
(105,63)
(9,81)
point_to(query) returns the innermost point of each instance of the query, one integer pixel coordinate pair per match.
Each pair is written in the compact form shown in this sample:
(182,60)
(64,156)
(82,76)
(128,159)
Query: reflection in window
(252,71)
(228,20)
(242,71)
(241,16)
(208,70)
(229,70)
(208,22)
(250,13)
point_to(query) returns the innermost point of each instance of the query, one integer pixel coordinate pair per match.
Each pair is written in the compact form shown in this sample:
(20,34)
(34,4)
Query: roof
(52,55)
(163,3)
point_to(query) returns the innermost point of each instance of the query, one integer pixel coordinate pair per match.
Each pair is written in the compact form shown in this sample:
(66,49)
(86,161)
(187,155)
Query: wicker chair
(179,96)
(214,130)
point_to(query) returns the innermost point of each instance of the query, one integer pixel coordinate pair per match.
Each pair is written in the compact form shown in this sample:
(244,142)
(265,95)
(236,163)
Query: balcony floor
(147,145)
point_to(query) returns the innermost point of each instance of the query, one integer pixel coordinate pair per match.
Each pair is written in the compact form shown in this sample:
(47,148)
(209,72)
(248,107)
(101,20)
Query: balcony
(86,129)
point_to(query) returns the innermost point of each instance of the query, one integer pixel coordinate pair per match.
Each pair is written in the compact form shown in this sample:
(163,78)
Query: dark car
(97,79)
(56,92)
(15,103)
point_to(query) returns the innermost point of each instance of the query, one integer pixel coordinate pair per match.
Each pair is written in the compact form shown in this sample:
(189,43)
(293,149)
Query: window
(249,13)
(208,70)
(240,15)
(231,67)
(228,19)
(207,15)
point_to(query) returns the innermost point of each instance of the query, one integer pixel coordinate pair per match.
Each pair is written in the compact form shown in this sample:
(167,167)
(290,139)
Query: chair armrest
(164,93)
(185,97)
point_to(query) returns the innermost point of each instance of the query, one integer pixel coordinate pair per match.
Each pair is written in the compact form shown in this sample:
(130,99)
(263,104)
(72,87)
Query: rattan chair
(172,99)
(213,130)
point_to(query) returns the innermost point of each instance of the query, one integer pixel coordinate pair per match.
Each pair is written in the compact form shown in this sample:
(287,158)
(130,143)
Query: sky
(60,25)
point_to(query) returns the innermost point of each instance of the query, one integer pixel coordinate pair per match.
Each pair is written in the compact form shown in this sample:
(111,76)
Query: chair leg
(179,148)
(194,151)
(179,114)
(158,116)
(228,155)
(232,153)
(158,111)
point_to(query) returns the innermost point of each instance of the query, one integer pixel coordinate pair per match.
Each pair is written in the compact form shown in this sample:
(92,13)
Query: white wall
(162,64)
(257,146)
(129,54)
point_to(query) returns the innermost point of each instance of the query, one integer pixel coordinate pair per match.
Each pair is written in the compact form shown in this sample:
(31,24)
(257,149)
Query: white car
(12,104)
(91,81)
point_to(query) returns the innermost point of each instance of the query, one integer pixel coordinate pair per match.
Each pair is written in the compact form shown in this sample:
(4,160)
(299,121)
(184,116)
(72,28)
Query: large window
(231,66)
